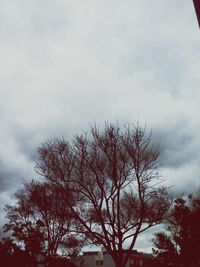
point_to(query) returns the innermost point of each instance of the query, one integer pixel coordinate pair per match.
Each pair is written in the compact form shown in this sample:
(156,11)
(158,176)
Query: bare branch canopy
(114,176)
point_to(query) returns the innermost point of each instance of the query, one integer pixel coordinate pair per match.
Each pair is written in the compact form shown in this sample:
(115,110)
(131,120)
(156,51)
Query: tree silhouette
(113,175)
(12,255)
(180,244)
(42,220)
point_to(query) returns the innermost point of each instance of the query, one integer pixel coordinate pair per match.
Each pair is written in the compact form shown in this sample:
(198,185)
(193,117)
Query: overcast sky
(67,63)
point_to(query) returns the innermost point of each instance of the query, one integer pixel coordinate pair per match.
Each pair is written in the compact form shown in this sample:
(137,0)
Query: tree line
(103,188)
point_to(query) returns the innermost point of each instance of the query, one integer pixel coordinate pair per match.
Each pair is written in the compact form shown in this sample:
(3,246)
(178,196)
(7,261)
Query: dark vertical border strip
(197,9)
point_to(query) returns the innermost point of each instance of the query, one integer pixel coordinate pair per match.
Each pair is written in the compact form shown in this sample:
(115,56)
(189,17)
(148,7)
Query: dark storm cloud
(17,155)
(14,171)
(178,145)
(180,156)
(6,179)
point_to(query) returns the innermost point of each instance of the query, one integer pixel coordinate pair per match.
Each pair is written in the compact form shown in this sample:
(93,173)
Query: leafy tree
(113,175)
(41,220)
(179,245)
(11,254)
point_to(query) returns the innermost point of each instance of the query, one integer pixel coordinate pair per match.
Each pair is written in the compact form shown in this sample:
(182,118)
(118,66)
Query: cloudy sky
(67,63)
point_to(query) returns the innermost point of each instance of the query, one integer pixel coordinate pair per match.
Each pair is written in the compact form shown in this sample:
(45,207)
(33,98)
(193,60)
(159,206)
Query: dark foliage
(12,255)
(180,245)
(41,221)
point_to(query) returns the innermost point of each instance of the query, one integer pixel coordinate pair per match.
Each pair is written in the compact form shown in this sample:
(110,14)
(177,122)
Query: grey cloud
(65,64)
(180,158)
(178,145)
(6,179)
(12,176)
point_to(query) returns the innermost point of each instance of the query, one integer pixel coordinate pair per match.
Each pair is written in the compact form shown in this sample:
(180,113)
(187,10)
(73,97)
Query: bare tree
(113,174)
